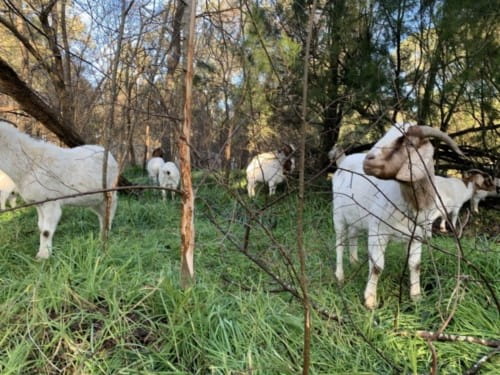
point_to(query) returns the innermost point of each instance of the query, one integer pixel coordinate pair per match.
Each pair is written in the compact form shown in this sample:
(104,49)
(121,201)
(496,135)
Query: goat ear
(418,165)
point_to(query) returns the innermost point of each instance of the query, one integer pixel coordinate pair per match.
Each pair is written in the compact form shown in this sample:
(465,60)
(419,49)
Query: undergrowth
(87,310)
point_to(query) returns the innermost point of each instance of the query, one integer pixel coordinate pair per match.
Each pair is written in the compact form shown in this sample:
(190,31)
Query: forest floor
(119,309)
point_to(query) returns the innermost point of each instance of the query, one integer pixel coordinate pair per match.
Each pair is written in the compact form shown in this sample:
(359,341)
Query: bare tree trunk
(111,119)
(425,103)
(175,46)
(67,72)
(187,218)
(147,146)
(300,214)
(229,123)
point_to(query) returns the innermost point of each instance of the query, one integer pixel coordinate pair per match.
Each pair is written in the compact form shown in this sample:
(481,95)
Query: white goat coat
(169,177)
(366,203)
(44,171)
(362,202)
(7,191)
(265,168)
(453,193)
(153,167)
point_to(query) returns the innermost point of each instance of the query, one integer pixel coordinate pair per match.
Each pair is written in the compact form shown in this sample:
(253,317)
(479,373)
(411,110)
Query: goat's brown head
(405,153)
(289,161)
(158,152)
(481,180)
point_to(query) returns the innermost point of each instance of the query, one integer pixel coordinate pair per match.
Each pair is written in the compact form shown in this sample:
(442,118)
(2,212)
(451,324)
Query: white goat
(390,193)
(7,191)
(153,167)
(270,168)
(336,155)
(169,177)
(481,195)
(43,171)
(490,187)
(454,192)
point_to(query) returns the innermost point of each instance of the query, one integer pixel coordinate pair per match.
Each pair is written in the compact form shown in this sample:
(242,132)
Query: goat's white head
(335,153)
(405,153)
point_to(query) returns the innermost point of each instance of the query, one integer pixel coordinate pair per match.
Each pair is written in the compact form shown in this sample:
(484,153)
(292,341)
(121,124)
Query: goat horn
(427,131)
(483,173)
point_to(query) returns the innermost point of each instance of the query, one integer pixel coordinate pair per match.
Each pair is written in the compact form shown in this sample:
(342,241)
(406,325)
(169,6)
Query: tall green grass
(120,311)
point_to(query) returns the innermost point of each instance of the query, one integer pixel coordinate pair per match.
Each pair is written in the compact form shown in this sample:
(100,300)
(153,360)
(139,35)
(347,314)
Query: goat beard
(419,194)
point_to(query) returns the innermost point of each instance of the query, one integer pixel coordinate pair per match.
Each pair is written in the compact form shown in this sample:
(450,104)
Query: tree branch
(33,104)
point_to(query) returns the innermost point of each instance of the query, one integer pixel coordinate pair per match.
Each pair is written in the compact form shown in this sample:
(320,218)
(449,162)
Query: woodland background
(117,66)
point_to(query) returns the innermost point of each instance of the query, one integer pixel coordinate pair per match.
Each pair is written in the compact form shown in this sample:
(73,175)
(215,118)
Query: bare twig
(285,285)
(117,188)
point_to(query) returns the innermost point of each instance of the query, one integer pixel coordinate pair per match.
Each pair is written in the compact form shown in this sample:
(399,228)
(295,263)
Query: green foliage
(90,311)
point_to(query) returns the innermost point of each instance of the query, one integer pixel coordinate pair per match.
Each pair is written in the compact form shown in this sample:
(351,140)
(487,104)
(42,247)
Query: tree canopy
(371,63)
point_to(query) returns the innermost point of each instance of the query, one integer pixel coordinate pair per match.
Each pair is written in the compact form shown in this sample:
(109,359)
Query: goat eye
(400,141)
(409,142)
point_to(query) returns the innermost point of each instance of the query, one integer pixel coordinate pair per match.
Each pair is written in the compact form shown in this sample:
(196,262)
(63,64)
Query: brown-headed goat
(390,193)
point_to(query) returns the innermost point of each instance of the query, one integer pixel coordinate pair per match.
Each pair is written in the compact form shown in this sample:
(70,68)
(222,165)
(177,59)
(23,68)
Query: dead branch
(447,337)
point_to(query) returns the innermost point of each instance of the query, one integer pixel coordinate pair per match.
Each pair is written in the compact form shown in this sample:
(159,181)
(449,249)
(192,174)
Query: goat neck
(419,194)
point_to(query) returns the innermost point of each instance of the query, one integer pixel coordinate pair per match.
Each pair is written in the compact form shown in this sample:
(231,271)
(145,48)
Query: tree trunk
(331,128)
(187,217)
(304,283)
(147,147)
(424,109)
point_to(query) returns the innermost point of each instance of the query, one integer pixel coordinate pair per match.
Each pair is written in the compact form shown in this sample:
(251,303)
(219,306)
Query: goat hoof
(42,255)
(416,297)
(340,278)
(371,302)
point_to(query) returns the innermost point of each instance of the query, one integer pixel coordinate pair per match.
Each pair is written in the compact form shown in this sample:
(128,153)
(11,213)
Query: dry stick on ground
(446,337)
(443,337)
